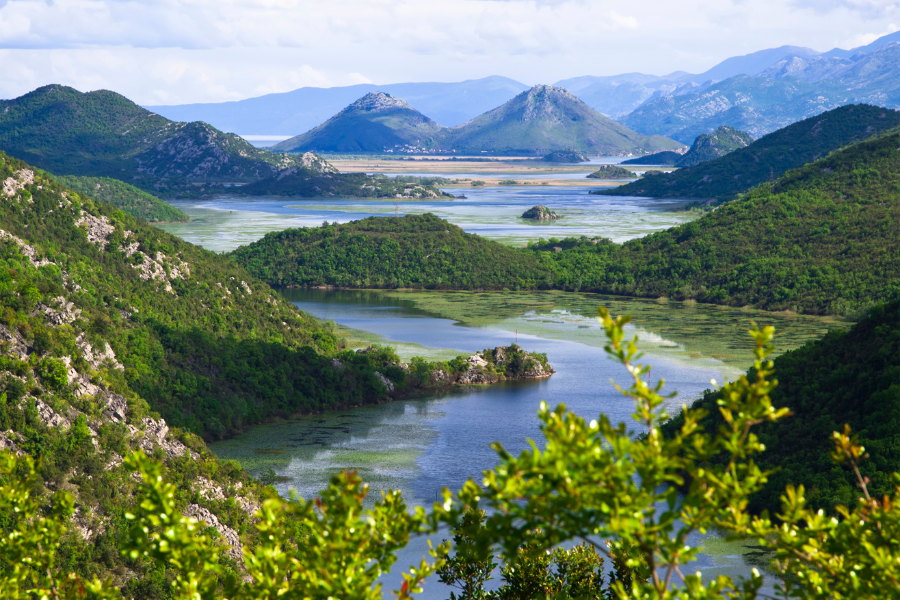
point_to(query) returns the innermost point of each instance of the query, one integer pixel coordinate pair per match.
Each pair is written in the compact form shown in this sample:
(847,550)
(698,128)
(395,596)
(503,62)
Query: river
(421,445)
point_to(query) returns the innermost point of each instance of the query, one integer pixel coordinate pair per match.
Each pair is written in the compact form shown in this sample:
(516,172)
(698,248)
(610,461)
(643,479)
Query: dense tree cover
(587,481)
(612,172)
(823,239)
(130,199)
(212,348)
(312,183)
(768,157)
(103,134)
(850,377)
(389,252)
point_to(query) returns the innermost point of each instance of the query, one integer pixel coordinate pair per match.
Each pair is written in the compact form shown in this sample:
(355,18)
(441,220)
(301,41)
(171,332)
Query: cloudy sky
(179,51)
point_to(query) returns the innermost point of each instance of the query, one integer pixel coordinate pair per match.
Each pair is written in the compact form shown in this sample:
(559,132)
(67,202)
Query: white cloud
(173,51)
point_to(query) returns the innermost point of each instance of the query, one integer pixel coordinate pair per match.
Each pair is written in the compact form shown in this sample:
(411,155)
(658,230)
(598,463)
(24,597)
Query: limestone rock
(230,536)
(539,213)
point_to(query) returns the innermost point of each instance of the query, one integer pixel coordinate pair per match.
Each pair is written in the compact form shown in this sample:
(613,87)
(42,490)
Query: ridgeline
(767,158)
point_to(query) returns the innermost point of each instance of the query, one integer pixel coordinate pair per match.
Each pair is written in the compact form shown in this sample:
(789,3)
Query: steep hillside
(130,199)
(795,88)
(768,157)
(103,134)
(547,118)
(710,146)
(822,239)
(377,122)
(208,346)
(389,252)
(848,377)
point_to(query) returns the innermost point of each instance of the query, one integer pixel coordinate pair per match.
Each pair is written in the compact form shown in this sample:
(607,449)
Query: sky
(184,51)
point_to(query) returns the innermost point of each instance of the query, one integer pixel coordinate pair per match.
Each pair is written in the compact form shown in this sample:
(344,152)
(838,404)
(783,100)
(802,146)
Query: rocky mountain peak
(378,101)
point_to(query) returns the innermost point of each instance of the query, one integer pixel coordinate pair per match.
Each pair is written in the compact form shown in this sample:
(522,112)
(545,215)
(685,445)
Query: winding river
(420,445)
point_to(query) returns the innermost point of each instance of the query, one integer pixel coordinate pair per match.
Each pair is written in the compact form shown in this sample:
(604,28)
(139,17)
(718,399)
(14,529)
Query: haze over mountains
(758,93)
(536,122)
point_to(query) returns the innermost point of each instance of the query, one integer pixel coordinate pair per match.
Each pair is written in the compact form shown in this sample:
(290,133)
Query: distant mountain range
(540,120)
(758,93)
(293,112)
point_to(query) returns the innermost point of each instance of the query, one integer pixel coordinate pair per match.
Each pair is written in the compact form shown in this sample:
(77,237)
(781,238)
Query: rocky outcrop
(539,213)
(229,535)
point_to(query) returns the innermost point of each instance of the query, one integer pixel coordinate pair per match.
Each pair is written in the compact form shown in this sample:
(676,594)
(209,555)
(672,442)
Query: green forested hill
(768,157)
(210,347)
(130,199)
(103,134)
(823,239)
(847,377)
(389,252)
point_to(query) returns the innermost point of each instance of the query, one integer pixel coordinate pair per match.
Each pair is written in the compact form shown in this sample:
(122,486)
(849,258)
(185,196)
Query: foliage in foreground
(593,482)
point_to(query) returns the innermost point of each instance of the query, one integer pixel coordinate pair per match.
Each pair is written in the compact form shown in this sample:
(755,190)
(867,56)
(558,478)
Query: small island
(492,365)
(612,172)
(566,156)
(539,213)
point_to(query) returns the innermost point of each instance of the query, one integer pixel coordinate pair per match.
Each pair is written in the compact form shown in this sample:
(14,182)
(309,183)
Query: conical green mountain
(547,118)
(104,134)
(377,122)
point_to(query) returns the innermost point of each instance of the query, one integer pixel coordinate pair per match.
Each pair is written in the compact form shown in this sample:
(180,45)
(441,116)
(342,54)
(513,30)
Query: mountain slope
(850,377)
(208,346)
(303,109)
(822,239)
(768,157)
(547,118)
(377,122)
(103,134)
(130,199)
(710,146)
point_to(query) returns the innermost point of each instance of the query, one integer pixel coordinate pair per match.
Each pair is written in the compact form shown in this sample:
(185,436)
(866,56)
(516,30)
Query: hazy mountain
(104,134)
(794,88)
(547,118)
(768,157)
(300,110)
(618,95)
(710,146)
(374,123)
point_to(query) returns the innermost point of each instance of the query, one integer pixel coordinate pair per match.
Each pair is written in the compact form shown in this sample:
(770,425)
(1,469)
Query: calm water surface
(422,445)
(224,223)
